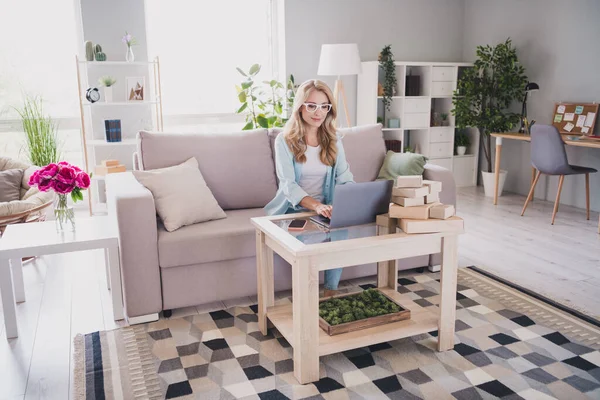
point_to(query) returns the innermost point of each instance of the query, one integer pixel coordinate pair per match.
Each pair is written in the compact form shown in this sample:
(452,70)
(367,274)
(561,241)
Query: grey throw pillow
(10,185)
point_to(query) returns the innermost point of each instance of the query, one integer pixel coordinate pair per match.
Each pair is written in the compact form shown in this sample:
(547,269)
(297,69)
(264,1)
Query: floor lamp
(339,60)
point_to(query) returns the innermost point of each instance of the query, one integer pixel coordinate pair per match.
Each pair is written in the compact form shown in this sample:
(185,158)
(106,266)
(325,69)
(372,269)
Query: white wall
(557,43)
(424,30)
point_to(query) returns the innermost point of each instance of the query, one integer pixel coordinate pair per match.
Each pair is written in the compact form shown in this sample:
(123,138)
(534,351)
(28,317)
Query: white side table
(41,238)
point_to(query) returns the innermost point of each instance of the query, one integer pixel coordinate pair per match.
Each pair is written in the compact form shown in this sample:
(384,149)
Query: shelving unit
(437,82)
(134,116)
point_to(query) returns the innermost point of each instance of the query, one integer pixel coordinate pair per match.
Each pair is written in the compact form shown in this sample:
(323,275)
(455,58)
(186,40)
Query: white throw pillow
(181,195)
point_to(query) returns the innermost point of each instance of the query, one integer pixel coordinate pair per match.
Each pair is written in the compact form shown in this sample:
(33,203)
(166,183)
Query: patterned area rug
(508,345)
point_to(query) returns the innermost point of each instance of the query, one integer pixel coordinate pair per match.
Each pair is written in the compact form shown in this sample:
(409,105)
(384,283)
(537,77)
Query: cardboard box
(417,212)
(452,224)
(432,198)
(411,192)
(386,222)
(441,212)
(408,201)
(409,181)
(102,170)
(110,163)
(434,186)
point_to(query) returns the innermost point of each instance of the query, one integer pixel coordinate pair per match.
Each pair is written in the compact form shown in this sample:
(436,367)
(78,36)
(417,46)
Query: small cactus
(97,49)
(89,51)
(100,56)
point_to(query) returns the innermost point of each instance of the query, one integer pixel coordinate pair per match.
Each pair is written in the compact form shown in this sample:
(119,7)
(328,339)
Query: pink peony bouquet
(62,178)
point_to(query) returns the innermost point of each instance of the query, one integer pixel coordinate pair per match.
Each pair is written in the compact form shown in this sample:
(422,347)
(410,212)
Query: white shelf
(102,177)
(392,129)
(114,63)
(465,156)
(393,97)
(119,103)
(124,142)
(440,127)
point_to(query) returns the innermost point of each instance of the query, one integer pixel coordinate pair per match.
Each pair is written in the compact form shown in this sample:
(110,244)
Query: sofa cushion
(396,164)
(10,185)
(365,150)
(238,166)
(219,240)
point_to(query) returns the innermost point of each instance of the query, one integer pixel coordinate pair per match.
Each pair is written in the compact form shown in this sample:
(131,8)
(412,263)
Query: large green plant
(486,92)
(386,62)
(41,134)
(264,105)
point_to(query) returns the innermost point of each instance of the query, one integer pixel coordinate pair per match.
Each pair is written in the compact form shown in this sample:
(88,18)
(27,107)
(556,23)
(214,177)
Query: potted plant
(386,62)
(445,121)
(484,96)
(107,82)
(461,142)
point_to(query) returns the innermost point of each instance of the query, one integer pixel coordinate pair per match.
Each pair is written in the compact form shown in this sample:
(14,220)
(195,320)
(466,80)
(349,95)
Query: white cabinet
(419,109)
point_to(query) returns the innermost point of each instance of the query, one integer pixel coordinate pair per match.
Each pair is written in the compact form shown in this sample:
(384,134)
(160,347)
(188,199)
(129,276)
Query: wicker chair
(30,207)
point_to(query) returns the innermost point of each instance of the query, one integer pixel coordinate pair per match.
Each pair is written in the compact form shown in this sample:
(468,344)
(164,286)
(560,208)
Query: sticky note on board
(578,109)
(585,129)
(561,109)
(580,121)
(589,120)
(569,116)
(557,118)
(568,127)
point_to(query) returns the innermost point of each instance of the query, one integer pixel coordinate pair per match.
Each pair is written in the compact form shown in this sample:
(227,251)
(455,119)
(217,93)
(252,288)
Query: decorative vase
(108,92)
(129,56)
(64,213)
(461,150)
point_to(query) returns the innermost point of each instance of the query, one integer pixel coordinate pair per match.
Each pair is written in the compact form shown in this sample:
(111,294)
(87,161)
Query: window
(200,44)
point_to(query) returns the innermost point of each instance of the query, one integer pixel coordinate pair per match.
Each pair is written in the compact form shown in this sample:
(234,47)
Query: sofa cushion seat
(219,240)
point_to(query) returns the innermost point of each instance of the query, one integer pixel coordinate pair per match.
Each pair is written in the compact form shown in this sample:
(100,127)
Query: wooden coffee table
(316,249)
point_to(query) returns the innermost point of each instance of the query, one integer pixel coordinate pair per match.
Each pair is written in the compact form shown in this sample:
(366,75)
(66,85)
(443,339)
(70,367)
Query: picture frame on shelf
(136,88)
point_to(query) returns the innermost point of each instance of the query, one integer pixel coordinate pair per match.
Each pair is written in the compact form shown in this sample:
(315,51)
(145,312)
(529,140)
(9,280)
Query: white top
(313,173)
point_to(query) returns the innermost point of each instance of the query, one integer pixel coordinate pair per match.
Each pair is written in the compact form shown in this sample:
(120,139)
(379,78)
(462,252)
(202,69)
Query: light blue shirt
(289,172)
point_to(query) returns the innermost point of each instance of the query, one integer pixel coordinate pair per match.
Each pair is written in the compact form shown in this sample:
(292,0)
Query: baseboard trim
(587,318)
(142,319)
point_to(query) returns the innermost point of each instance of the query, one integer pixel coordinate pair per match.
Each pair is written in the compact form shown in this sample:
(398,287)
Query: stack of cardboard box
(416,207)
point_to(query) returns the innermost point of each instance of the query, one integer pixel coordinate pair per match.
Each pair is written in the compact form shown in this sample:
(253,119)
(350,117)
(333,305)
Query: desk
(590,143)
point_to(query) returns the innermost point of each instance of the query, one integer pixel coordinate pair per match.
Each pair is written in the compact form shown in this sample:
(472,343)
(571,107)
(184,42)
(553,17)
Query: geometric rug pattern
(499,353)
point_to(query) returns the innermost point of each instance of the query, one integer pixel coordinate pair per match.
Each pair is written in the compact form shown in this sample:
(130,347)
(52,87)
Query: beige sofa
(215,260)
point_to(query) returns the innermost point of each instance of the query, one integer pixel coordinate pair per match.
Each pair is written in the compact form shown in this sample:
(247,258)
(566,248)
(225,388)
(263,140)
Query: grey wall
(424,30)
(557,43)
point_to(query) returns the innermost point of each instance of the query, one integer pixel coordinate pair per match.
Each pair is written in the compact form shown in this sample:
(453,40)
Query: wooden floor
(66,294)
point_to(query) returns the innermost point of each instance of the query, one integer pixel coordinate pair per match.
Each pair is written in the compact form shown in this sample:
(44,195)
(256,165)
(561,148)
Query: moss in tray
(366,304)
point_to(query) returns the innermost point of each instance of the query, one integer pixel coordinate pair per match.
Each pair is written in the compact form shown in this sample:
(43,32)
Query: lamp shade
(532,86)
(339,59)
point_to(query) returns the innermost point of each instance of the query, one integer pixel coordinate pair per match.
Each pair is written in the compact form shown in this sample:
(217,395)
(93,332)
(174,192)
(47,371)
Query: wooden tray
(363,323)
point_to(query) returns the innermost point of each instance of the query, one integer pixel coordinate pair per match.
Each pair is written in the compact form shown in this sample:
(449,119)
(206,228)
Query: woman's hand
(324,210)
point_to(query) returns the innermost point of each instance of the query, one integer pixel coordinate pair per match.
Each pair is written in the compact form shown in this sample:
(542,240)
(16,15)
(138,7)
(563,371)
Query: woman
(310,160)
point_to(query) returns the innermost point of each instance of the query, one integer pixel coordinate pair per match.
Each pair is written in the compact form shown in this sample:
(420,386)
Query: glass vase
(64,214)
(129,56)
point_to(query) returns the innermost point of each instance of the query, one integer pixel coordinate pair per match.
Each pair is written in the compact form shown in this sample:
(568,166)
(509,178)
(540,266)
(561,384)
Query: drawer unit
(437,135)
(415,120)
(464,171)
(416,105)
(441,89)
(440,150)
(442,162)
(443,74)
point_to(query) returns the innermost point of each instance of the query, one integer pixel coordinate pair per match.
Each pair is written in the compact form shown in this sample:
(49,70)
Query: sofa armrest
(131,207)
(436,173)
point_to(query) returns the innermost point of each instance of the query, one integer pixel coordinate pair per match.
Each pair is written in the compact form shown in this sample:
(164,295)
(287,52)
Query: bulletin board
(575,118)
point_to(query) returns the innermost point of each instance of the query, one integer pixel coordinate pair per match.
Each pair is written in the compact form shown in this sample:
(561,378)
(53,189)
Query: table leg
(448,277)
(497,168)
(107,268)
(265,284)
(115,282)
(305,293)
(18,283)
(8,300)
(533,174)
(387,271)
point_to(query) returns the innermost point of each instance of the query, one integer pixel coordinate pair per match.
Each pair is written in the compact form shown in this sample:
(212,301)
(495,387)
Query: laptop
(357,204)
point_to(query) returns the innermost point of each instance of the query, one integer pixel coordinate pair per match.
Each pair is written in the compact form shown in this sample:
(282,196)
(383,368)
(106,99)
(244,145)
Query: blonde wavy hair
(295,128)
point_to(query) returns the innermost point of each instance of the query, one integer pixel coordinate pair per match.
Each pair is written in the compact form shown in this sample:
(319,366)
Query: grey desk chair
(548,156)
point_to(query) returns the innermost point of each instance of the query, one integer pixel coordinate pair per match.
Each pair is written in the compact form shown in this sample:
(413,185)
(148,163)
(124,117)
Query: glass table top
(314,233)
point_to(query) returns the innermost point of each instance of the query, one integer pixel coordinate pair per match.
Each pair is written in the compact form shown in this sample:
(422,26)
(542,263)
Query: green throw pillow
(396,164)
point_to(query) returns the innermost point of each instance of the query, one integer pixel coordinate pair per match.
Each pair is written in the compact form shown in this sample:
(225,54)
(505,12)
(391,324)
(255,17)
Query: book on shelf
(112,128)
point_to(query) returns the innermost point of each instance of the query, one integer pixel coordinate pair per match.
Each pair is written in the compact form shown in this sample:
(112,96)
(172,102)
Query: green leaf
(255,69)
(278,108)
(247,84)
(248,126)
(262,121)
(242,97)
(240,71)
(74,196)
(242,108)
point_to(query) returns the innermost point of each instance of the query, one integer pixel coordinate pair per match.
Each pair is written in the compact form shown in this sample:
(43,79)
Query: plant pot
(461,150)
(489,180)
(108,92)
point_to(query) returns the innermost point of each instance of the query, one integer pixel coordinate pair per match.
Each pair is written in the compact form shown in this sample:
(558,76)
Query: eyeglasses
(312,107)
